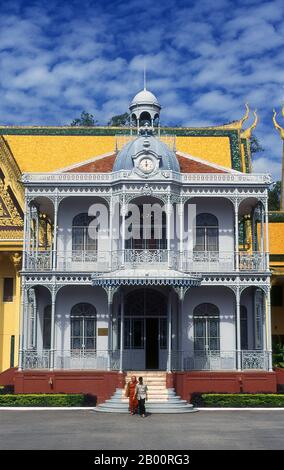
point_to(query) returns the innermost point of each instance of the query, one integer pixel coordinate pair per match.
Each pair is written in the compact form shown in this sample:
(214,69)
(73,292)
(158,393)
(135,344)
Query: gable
(11,195)
(104,164)
(11,215)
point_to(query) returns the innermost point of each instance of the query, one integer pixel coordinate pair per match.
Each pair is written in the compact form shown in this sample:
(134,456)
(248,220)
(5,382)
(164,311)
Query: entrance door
(152,343)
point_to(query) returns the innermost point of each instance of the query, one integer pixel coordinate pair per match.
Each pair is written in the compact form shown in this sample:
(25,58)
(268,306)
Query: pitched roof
(188,164)
(99,165)
(191,165)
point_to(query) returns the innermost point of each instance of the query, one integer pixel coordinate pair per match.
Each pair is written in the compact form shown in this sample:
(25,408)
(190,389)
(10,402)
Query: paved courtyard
(88,430)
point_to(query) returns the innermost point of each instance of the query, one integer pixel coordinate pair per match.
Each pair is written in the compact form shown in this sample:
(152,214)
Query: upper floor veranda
(215,222)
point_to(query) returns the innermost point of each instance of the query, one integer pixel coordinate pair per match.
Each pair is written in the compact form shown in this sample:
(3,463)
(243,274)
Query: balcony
(106,261)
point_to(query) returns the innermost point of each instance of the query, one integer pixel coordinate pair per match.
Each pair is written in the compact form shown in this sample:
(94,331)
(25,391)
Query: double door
(145,342)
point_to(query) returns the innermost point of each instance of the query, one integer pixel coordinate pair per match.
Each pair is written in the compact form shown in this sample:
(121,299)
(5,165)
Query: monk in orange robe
(131,394)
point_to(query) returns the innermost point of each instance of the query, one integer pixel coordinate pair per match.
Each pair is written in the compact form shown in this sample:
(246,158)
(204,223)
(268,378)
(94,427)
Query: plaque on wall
(102,331)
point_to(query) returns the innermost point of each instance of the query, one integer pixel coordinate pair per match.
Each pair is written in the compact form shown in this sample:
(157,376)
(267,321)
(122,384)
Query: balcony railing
(219,360)
(208,261)
(252,261)
(71,359)
(110,360)
(186,178)
(106,261)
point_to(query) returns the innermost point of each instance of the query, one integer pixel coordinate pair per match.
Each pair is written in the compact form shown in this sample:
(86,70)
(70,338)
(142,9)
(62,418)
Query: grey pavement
(89,430)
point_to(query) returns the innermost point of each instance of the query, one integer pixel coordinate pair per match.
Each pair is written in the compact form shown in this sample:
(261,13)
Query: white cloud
(267,165)
(203,63)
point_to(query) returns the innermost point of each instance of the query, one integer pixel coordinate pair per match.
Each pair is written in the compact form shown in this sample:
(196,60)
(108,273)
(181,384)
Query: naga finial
(276,125)
(246,134)
(243,119)
(246,114)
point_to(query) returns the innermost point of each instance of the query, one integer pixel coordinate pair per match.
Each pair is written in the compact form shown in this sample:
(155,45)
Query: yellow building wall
(276,238)
(9,314)
(276,247)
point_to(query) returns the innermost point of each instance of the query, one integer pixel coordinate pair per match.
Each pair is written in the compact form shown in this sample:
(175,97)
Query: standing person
(131,394)
(142,395)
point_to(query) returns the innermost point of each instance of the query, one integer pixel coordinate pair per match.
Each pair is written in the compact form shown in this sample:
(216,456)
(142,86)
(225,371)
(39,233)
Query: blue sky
(205,60)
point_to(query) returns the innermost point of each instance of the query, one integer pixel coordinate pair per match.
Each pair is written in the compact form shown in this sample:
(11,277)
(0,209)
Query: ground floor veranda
(207,328)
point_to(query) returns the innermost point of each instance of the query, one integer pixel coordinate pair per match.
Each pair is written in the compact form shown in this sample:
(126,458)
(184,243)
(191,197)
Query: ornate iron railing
(106,261)
(192,178)
(254,261)
(70,359)
(36,359)
(41,261)
(218,360)
(207,261)
(80,359)
(149,257)
(254,359)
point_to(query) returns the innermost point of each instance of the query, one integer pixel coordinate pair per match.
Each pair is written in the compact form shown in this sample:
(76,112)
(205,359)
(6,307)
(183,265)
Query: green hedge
(238,400)
(43,400)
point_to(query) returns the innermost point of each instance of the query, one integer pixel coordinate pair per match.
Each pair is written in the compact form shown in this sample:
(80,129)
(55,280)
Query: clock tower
(146,155)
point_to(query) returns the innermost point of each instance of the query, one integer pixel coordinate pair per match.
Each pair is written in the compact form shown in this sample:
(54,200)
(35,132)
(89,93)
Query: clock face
(146,165)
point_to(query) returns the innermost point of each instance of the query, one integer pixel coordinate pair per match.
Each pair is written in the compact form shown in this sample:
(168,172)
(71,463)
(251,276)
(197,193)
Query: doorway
(152,343)
(145,330)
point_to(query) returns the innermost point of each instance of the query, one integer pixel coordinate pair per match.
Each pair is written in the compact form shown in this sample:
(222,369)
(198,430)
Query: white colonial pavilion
(107,302)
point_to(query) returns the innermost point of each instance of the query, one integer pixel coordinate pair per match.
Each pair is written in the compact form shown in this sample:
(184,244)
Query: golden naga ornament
(276,125)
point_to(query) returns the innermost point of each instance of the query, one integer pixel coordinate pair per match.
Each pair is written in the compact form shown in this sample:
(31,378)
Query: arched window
(206,323)
(145,117)
(152,232)
(83,326)
(244,327)
(83,239)
(207,233)
(46,333)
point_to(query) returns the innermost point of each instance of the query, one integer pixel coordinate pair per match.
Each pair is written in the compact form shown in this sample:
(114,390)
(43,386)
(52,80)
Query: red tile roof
(105,165)
(101,165)
(188,165)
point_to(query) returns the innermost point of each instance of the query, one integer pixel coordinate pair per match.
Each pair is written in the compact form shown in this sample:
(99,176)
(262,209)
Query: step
(146,372)
(149,403)
(165,410)
(161,400)
(153,382)
(149,406)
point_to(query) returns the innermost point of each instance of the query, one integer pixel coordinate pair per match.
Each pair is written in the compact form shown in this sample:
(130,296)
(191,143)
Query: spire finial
(276,124)
(246,134)
(144,75)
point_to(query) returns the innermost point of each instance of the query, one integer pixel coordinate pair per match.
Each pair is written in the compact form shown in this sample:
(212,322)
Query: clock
(146,165)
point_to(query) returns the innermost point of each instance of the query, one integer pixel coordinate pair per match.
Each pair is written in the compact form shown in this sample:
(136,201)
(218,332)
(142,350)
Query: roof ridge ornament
(238,124)
(276,124)
(246,133)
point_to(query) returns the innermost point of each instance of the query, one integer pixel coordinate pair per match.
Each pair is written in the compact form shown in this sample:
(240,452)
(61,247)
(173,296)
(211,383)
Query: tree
(274,196)
(119,120)
(86,119)
(255,146)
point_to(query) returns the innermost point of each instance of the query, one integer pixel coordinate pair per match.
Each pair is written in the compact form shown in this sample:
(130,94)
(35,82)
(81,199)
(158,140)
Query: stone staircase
(160,398)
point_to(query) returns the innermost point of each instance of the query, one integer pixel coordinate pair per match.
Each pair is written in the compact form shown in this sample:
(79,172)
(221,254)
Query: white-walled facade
(193,297)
